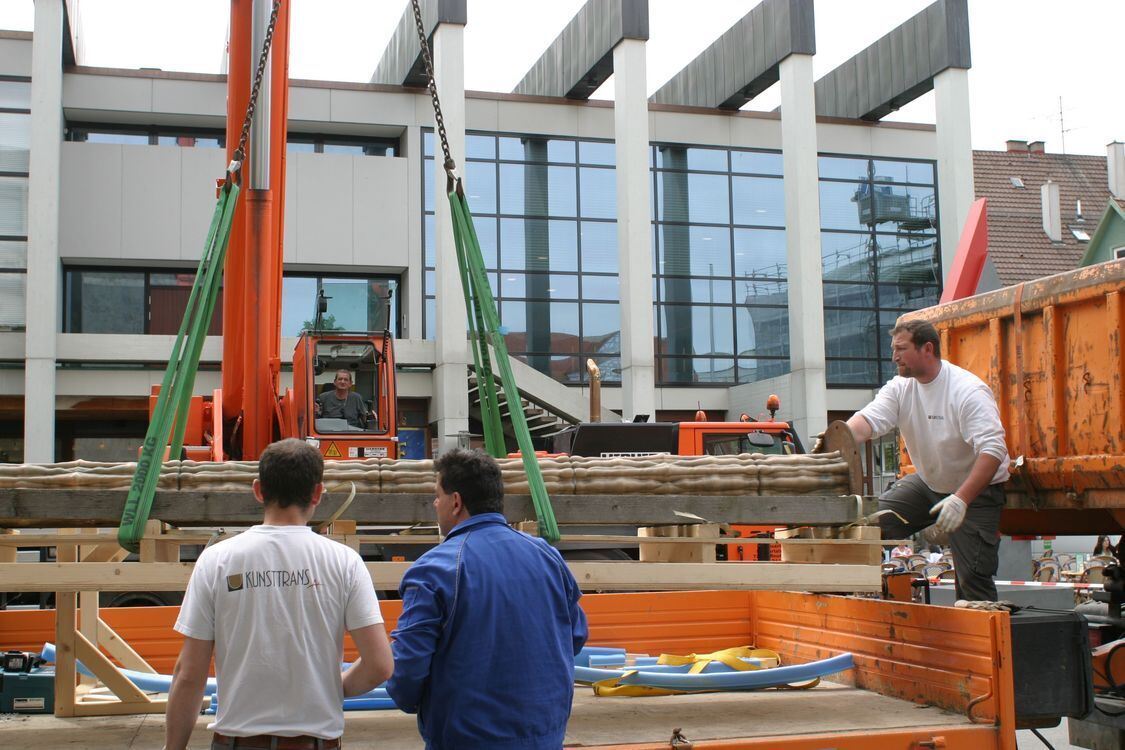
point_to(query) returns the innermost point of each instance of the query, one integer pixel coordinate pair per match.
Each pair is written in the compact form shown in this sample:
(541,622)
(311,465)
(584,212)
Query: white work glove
(950,513)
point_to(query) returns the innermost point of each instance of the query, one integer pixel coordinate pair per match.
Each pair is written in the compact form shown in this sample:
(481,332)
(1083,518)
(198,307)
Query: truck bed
(830,708)
(922,673)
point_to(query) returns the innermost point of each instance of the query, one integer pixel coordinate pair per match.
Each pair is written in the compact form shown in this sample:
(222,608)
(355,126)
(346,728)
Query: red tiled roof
(1017,244)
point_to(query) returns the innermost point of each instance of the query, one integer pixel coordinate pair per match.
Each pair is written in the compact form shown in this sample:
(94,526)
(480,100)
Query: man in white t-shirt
(950,423)
(273,604)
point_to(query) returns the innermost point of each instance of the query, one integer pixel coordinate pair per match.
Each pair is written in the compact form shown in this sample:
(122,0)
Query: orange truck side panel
(1051,350)
(950,658)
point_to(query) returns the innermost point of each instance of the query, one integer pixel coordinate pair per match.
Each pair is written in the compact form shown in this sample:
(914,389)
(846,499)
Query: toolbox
(28,692)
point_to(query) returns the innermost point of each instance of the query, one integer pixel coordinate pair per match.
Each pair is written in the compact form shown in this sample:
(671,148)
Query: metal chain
(240,152)
(431,83)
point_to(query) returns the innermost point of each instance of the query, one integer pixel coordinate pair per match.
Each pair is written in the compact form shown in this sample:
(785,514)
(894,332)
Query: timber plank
(41,508)
(591,576)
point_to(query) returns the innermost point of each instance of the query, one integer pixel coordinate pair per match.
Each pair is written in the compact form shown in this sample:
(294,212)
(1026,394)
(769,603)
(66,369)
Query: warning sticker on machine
(333,452)
(353,451)
(376,452)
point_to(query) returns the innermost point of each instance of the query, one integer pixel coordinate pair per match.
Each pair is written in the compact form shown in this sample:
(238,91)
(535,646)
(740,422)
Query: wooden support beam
(8,551)
(66,633)
(120,650)
(93,508)
(106,545)
(599,576)
(106,671)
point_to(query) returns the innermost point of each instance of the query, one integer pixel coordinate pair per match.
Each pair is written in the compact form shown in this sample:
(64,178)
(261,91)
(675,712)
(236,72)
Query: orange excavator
(251,410)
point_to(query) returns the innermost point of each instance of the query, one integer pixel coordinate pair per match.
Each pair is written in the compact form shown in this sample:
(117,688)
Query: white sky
(1026,53)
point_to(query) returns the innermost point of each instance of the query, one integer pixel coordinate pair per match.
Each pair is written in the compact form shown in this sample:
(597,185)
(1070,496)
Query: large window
(316,143)
(544,211)
(146,135)
(355,303)
(122,300)
(881,258)
(15,135)
(720,271)
(169,135)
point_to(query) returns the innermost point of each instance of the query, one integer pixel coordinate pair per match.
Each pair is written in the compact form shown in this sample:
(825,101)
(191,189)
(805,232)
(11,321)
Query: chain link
(240,152)
(431,83)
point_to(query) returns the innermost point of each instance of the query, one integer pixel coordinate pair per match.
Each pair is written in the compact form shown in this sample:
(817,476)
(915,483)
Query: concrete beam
(744,61)
(72,39)
(900,67)
(581,58)
(401,64)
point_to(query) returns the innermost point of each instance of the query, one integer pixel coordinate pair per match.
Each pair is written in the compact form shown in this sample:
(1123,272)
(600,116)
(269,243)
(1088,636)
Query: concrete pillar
(451,388)
(808,407)
(954,159)
(634,242)
(43,233)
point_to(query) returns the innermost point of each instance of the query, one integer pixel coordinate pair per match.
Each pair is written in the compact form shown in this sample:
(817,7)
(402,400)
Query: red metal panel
(972,252)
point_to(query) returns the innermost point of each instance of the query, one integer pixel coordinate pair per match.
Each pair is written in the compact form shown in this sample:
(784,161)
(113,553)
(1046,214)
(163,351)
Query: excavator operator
(342,402)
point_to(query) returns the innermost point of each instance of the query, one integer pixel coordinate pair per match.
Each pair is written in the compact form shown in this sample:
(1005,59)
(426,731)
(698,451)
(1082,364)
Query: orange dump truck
(924,677)
(1051,350)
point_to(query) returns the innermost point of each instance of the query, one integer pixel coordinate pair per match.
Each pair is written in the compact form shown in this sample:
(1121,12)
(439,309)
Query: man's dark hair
(289,470)
(475,475)
(921,333)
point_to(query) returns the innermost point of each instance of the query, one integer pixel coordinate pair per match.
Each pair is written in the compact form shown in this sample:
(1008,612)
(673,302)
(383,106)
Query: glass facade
(15,141)
(544,211)
(545,208)
(881,258)
(720,273)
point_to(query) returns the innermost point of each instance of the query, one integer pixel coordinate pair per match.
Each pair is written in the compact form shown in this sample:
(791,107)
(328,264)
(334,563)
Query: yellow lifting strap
(732,657)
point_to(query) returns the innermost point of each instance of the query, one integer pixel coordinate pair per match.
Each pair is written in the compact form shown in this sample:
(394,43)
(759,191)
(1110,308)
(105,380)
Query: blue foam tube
(754,680)
(582,658)
(156,683)
(160,683)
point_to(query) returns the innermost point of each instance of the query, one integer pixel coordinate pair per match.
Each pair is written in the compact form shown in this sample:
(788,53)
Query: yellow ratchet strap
(732,657)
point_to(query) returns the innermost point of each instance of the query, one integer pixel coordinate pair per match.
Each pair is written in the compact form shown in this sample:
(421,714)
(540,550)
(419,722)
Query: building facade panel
(90,201)
(151,204)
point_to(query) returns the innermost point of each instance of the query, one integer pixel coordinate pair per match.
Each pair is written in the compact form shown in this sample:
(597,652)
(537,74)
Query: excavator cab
(368,430)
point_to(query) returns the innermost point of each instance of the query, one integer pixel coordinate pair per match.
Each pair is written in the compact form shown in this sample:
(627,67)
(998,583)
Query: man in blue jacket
(484,648)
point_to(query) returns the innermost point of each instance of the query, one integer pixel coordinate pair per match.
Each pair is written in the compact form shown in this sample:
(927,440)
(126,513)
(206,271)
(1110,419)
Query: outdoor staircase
(541,422)
(548,405)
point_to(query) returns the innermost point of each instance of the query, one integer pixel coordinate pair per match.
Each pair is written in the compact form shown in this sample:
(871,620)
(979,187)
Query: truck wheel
(140,599)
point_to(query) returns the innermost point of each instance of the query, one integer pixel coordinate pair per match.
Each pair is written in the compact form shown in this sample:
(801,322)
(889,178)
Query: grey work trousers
(975,543)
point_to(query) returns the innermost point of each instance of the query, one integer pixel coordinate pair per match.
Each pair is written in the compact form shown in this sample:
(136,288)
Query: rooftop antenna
(1062,129)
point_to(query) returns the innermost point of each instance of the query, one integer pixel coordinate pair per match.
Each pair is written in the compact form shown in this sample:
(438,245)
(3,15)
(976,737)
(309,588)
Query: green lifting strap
(484,329)
(169,418)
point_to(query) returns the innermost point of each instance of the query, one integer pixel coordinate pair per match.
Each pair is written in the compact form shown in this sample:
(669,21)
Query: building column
(451,387)
(807,409)
(43,233)
(954,159)
(634,225)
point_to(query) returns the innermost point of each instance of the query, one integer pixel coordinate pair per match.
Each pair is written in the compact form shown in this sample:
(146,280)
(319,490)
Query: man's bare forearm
(185,699)
(860,427)
(984,469)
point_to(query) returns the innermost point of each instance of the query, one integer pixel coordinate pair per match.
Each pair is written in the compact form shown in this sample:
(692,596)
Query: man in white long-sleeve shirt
(950,423)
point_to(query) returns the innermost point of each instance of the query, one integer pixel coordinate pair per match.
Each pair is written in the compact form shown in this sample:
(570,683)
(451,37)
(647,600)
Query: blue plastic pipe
(753,680)
(161,683)
(155,683)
